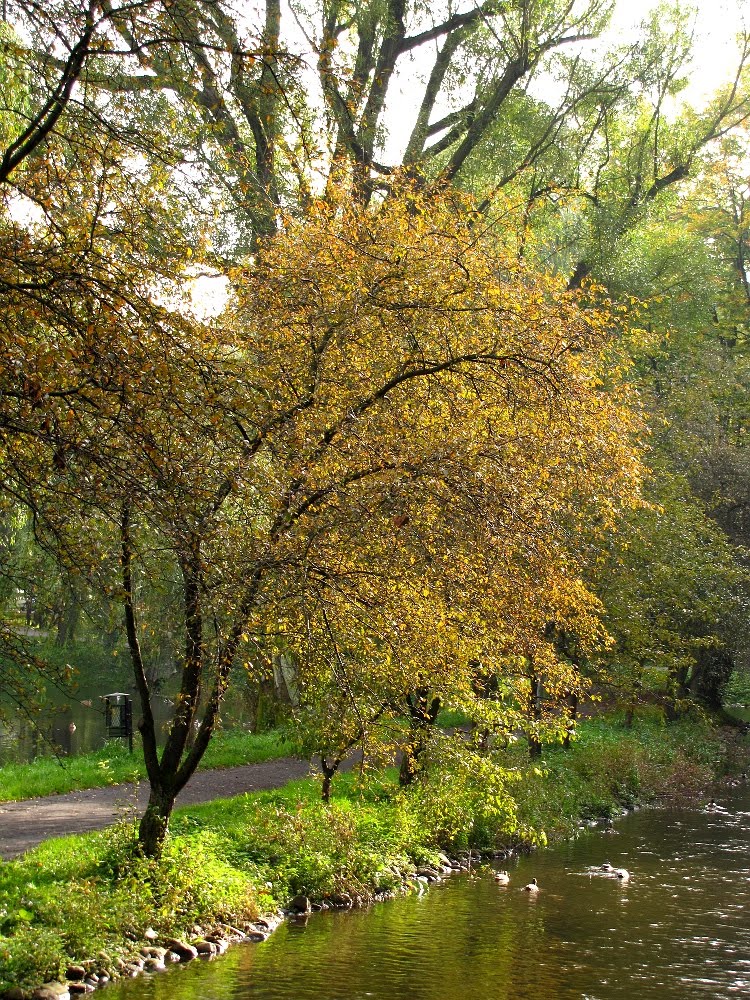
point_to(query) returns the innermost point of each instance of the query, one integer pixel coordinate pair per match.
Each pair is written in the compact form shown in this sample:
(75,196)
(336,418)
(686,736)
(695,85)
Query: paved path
(25,824)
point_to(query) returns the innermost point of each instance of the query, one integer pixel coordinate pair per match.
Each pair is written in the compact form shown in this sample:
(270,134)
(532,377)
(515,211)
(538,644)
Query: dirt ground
(23,825)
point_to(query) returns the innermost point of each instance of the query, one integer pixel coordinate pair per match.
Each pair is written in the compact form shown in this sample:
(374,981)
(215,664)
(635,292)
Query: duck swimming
(502,878)
(622,874)
(532,886)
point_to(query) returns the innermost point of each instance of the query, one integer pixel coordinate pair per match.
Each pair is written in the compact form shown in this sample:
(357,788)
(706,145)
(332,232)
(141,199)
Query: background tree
(675,601)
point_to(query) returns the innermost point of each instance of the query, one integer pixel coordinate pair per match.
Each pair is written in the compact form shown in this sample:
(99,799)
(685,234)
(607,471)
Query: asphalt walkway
(25,824)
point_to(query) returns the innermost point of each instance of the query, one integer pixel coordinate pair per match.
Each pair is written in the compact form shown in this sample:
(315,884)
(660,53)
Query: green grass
(609,768)
(113,765)
(75,897)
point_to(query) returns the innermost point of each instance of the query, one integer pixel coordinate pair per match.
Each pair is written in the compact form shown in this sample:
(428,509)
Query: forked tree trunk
(185,745)
(329,770)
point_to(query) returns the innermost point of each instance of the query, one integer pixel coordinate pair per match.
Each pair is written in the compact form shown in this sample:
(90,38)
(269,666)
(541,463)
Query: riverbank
(92,902)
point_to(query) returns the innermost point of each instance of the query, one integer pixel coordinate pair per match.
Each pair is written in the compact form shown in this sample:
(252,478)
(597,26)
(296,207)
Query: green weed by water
(609,767)
(113,765)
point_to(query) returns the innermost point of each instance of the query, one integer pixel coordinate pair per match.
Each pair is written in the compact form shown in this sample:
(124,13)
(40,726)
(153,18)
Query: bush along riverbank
(78,911)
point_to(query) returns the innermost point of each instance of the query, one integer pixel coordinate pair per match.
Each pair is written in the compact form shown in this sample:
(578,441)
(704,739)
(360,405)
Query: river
(679,928)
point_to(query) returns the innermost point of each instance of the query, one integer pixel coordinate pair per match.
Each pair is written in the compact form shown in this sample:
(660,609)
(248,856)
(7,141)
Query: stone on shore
(185,952)
(51,991)
(300,904)
(153,951)
(340,901)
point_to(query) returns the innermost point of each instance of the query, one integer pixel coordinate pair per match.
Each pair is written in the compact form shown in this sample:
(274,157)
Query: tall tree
(272,107)
(397,356)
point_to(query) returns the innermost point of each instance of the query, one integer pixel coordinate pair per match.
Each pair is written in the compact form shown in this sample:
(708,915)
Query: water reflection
(77,726)
(68,729)
(677,928)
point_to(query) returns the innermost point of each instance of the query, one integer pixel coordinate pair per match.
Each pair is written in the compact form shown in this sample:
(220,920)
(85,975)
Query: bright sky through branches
(715,51)
(715,58)
(715,61)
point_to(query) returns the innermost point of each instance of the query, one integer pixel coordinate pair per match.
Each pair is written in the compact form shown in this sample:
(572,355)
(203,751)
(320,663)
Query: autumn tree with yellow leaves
(392,455)
(395,421)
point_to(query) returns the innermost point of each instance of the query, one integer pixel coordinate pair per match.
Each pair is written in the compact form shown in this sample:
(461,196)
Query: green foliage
(674,593)
(465,799)
(93,665)
(15,103)
(609,768)
(737,691)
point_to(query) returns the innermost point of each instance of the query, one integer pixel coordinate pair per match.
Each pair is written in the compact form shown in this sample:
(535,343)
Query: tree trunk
(635,695)
(534,709)
(67,618)
(328,772)
(572,700)
(187,738)
(677,692)
(409,765)
(155,822)
(422,715)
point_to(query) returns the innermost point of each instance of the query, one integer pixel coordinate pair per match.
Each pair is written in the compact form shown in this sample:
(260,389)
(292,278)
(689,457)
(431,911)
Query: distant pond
(679,928)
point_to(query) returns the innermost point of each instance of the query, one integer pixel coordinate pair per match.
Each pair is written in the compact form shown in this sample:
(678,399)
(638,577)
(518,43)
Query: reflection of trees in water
(64,730)
(49,731)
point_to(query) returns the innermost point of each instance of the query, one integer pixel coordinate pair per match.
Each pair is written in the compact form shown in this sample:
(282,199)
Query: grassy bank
(113,765)
(74,898)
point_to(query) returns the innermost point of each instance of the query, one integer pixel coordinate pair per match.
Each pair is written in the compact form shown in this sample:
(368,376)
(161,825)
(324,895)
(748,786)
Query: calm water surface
(680,928)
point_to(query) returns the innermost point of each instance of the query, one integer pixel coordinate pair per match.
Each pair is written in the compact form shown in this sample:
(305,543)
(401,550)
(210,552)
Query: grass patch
(609,768)
(113,765)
